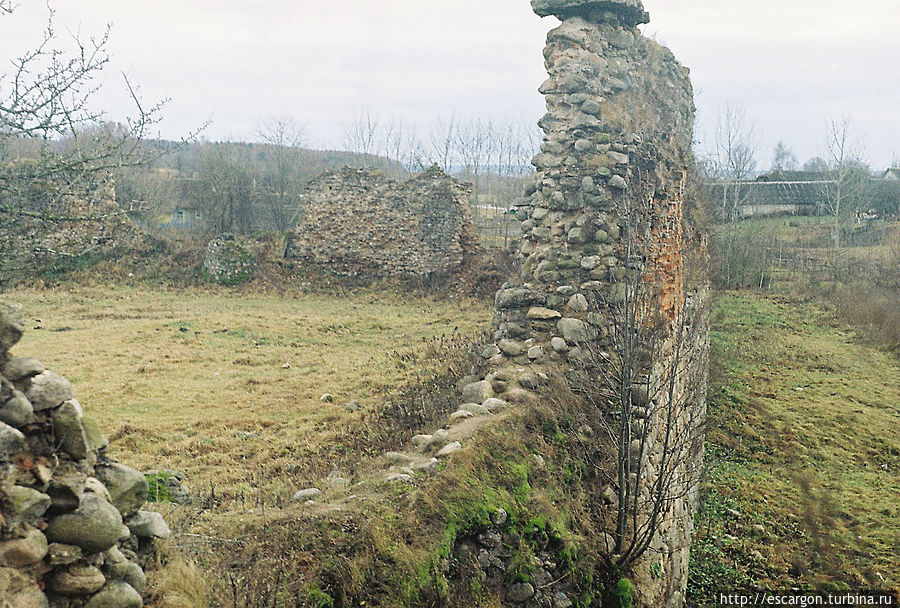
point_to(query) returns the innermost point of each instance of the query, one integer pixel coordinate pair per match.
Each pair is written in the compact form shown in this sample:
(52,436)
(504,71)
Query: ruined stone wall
(72,532)
(359,223)
(228,261)
(606,232)
(50,224)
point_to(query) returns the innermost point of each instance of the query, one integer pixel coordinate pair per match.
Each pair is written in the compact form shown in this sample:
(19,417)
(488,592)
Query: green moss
(319,598)
(159,491)
(621,596)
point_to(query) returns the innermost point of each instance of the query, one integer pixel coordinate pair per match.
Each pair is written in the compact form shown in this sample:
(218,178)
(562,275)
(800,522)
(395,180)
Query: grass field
(803,459)
(225,386)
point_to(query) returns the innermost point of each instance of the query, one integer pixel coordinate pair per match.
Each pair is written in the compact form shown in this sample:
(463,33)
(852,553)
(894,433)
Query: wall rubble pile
(72,532)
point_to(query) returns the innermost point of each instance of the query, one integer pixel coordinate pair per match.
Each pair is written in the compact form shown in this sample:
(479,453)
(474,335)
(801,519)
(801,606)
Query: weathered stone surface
(307,494)
(25,505)
(477,392)
(518,297)
(20,591)
(542,314)
(512,348)
(421,228)
(228,261)
(489,351)
(149,524)
(494,405)
(59,554)
(22,367)
(559,344)
(520,592)
(21,552)
(578,303)
(76,580)
(117,567)
(17,411)
(95,437)
(65,492)
(54,536)
(575,330)
(128,489)
(11,441)
(630,12)
(94,527)
(69,430)
(11,327)
(116,594)
(618,182)
(449,449)
(49,390)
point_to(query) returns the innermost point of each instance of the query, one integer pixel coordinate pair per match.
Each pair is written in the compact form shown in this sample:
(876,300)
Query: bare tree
(56,147)
(283,138)
(361,138)
(475,140)
(644,379)
(443,143)
(228,190)
(783,159)
(734,158)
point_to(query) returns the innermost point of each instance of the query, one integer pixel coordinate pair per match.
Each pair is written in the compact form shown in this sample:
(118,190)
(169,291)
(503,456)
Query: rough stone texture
(48,391)
(149,524)
(228,261)
(94,526)
(128,489)
(631,12)
(62,501)
(11,328)
(29,245)
(359,223)
(605,217)
(117,594)
(22,367)
(21,552)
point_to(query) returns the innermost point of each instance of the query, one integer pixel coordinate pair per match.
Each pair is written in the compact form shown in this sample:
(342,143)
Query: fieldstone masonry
(613,165)
(72,532)
(359,223)
(228,261)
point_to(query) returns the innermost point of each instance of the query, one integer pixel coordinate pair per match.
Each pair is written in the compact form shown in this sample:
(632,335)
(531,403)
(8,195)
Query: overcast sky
(791,64)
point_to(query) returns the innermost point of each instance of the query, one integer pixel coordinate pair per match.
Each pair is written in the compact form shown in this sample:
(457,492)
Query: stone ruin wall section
(72,532)
(615,162)
(358,223)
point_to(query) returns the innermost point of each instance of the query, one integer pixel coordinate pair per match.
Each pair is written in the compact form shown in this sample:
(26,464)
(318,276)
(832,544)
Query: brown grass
(224,386)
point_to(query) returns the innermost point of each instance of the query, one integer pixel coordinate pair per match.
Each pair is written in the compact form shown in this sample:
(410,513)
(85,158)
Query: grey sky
(790,63)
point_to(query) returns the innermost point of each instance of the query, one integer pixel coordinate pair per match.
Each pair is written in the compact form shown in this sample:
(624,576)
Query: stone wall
(611,281)
(50,225)
(358,223)
(72,532)
(228,261)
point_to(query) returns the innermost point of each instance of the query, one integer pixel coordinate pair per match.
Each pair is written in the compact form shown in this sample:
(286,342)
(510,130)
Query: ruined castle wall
(359,223)
(72,532)
(608,251)
(48,223)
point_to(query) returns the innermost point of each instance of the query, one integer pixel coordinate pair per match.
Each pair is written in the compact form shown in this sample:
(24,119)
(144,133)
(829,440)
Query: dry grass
(225,386)
(804,442)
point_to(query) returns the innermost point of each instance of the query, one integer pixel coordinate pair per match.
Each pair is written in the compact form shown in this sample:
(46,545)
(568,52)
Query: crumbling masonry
(72,532)
(359,223)
(612,270)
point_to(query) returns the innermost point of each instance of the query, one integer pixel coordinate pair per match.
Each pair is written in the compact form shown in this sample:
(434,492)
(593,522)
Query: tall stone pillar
(605,220)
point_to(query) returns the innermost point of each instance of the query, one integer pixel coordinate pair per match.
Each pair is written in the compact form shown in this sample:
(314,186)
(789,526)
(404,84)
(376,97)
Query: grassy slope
(195,380)
(803,454)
